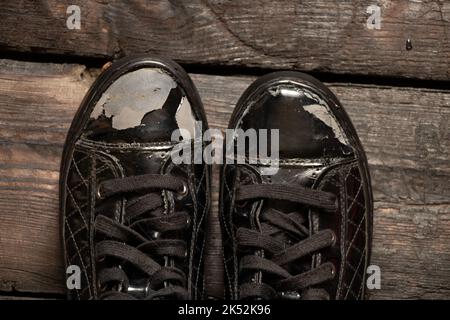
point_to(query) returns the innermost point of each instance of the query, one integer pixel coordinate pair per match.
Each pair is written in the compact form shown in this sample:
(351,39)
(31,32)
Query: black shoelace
(271,256)
(148,240)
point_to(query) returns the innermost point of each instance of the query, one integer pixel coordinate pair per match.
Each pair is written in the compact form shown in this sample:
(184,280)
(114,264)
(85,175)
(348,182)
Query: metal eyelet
(183,192)
(290,295)
(155,235)
(336,203)
(188,222)
(139,289)
(333,269)
(98,192)
(120,286)
(333,237)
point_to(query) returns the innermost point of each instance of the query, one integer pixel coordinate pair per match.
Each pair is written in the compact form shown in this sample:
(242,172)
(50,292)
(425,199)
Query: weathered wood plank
(37,104)
(405,132)
(319,35)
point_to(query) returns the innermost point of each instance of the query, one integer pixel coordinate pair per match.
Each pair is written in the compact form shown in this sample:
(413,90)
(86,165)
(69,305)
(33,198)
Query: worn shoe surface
(133,221)
(305,231)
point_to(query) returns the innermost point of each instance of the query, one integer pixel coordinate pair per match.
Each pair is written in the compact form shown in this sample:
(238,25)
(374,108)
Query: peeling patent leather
(99,149)
(155,126)
(319,149)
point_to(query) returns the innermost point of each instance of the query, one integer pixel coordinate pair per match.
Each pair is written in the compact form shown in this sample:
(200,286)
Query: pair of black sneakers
(134,211)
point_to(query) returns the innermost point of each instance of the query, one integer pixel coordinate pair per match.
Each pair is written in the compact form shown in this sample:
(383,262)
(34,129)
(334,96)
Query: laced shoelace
(146,240)
(271,256)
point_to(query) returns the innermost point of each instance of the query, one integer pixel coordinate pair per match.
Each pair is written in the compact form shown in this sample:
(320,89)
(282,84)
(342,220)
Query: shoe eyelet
(98,192)
(336,203)
(120,286)
(333,270)
(290,295)
(188,222)
(183,192)
(333,237)
(155,235)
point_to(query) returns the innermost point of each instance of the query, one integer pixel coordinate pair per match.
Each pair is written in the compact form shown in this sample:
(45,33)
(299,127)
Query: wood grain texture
(37,105)
(319,35)
(405,132)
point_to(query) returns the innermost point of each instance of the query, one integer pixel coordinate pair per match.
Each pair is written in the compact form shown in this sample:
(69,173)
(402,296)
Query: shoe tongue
(155,126)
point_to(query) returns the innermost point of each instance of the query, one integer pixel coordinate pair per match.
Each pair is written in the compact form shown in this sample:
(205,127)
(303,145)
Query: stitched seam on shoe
(353,278)
(81,258)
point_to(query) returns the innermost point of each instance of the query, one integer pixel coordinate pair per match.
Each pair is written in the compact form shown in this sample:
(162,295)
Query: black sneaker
(133,220)
(304,231)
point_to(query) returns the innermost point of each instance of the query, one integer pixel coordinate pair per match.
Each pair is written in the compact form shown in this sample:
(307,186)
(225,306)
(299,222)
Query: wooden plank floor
(405,131)
(312,35)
